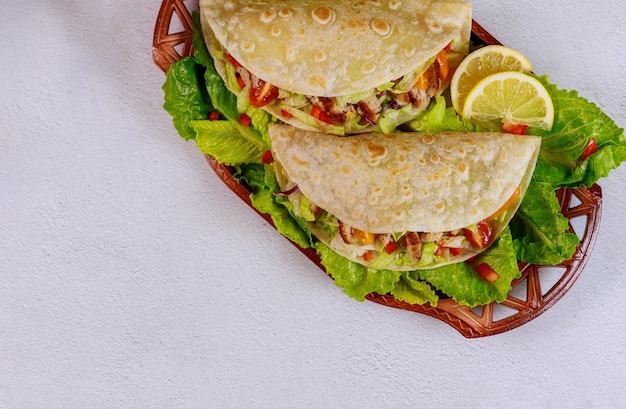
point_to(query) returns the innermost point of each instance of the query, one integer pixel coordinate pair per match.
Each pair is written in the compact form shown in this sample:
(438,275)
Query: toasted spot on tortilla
(394,4)
(248,46)
(381,27)
(410,51)
(276,31)
(300,162)
(285,13)
(345,170)
(462,167)
(320,56)
(428,139)
(376,152)
(368,67)
(323,15)
(398,214)
(435,158)
(434,25)
(318,81)
(267,16)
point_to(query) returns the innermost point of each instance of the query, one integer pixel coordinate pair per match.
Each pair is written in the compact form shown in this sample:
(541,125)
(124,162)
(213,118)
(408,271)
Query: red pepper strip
(592,147)
(232,60)
(517,129)
(317,113)
(241,82)
(285,113)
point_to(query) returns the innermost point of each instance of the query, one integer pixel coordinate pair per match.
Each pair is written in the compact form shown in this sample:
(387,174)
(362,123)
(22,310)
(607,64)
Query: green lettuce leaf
(255,177)
(440,118)
(357,280)
(576,122)
(461,282)
(200,51)
(414,291)
(185,96)
(539,230)
(224,141)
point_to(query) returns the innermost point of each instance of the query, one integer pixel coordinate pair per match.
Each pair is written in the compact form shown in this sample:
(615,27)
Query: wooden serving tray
(538,288)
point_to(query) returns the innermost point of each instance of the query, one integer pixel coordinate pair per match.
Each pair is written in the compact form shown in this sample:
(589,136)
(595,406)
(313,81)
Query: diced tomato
(483,235)
(245,120)
(592,147)
(368,255)
(438,251)
(507,204)
(455,251)
(214,116)
(391,247)
(286,114)
(267,157)
(317,113)
(517,129)
(262,93)
(448,47)
(486,272)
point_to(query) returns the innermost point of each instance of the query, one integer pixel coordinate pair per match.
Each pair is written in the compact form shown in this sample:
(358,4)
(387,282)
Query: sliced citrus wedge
(481,63)
(510,97)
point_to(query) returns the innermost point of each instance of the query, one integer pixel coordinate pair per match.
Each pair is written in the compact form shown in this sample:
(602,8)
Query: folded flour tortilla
(405,182)
(329,48)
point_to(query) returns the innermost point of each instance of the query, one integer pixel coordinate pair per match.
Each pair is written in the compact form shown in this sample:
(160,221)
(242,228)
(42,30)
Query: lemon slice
(481,63)
(510,97)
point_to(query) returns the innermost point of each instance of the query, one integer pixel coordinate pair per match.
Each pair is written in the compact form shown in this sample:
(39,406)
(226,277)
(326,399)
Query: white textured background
(131,277)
